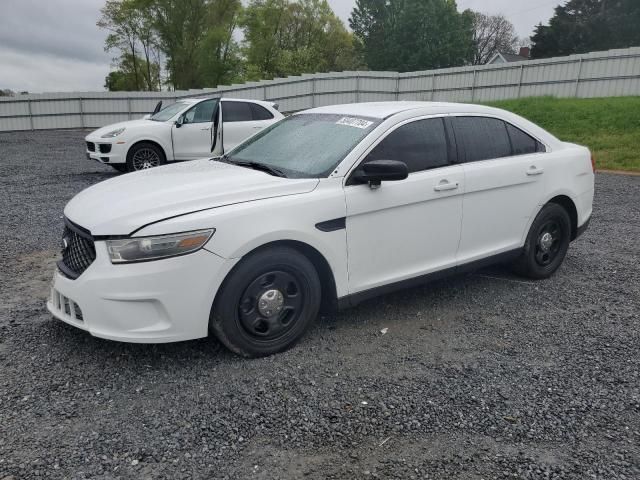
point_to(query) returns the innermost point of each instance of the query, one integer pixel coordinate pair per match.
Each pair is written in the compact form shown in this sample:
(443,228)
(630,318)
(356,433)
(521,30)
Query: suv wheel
(266,303)
(143,156)
(547,243)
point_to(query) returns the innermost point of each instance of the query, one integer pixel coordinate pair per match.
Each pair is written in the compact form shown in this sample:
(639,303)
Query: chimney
(525,52)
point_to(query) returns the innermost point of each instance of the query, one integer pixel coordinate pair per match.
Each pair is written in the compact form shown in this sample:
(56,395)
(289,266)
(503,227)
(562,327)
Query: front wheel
(144,155)
(267,303)
(547,243)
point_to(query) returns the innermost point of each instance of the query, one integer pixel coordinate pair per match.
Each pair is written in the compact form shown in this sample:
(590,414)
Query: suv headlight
(114,133)
(154,248)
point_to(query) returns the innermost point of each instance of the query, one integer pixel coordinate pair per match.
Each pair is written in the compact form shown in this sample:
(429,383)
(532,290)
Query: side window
(483,138)
(422,145)
(523,143)
(201,113)
(259,112)
(236,112)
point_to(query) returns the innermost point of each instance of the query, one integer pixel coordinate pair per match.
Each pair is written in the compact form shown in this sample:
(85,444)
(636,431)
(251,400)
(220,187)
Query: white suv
(323,209)
(186,130)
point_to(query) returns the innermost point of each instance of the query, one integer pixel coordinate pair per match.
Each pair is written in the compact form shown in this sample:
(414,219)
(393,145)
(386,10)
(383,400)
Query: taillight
(593,163)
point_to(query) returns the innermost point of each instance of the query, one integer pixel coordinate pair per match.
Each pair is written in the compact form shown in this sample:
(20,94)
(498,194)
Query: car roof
(384,110)
(192,101)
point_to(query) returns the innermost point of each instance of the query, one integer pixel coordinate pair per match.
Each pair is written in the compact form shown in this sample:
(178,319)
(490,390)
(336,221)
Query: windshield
(305,146)
(169,112)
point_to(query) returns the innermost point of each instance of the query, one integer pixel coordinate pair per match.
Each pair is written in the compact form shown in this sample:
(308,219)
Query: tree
(289,38)
(583,26)
(406,35)
(492,34)
(126,78)
(7,93)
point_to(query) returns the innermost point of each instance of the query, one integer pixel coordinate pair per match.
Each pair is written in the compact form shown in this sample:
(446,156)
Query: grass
(610,127)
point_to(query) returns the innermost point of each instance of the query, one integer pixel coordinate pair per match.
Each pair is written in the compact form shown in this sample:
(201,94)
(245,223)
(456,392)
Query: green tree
(127,75)
(283,37)
(407,35)
(583,26)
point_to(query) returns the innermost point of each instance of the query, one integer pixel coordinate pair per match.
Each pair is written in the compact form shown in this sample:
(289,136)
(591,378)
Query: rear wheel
(267,303)
(547,243)
(143,156)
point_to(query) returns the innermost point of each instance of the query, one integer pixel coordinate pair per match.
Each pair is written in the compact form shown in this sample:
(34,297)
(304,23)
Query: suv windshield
(304,146)
(169,112)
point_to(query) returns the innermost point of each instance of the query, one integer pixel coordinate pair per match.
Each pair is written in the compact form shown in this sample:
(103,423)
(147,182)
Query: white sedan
(186,130)
(324,209)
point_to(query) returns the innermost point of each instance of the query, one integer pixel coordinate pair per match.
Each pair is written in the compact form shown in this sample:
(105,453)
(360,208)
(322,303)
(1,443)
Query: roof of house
(508,58)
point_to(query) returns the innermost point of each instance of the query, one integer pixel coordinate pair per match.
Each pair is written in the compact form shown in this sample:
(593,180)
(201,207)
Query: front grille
(105,147)
(78,251)
(91,146)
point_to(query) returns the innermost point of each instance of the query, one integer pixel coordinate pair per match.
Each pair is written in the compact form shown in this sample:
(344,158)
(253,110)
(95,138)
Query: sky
(55,46)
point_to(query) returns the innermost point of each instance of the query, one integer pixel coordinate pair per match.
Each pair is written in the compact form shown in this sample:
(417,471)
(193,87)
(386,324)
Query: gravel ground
(480,376)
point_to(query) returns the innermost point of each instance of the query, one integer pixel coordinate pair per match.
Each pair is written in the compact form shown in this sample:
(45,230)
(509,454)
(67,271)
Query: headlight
(155,248)
(114,133)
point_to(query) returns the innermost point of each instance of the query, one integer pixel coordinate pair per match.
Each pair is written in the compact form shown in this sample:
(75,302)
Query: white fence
(599,74)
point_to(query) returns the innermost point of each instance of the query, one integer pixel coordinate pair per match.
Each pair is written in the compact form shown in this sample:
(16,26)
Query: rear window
(236,112)
(482,138)
(260,113)
(523,143)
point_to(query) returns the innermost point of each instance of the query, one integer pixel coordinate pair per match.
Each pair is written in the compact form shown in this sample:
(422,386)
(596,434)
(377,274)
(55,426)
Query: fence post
(357,87)
(397,86)
(473,86)
(520,81)
(129,107)
(313,92)
(264,92)
(578,79)
(30,114)
(433,87)
(80,106)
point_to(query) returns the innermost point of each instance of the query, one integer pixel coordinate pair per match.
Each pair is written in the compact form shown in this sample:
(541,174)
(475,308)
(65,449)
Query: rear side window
(482,138)
(236,112)
(523,143)
(258,112)
(422,145)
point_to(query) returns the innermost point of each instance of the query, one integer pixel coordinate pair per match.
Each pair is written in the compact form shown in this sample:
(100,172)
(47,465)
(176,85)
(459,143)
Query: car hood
(124,204)
(128,124)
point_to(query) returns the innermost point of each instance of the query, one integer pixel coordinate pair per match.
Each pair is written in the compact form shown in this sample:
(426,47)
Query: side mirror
(180,121)
(378,171)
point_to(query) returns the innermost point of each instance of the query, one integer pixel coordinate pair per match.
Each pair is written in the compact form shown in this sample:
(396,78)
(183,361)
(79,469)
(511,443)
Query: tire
(251,318)
(121,167)
(144,155)
(547,243)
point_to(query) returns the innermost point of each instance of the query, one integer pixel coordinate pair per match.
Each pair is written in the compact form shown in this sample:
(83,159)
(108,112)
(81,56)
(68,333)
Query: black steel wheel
(547,243)
(144,155)
(267,302)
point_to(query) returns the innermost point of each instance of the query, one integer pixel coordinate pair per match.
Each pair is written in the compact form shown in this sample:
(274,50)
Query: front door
(193,138)
(408,228)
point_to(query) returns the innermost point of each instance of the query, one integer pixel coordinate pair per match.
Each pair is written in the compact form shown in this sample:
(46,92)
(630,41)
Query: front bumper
(152,302)
(116,154)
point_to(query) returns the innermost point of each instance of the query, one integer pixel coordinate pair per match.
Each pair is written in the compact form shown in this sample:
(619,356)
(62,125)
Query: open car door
(217,148)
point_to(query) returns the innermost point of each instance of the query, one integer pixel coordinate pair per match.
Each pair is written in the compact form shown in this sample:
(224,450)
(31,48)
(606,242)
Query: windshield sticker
(354,122)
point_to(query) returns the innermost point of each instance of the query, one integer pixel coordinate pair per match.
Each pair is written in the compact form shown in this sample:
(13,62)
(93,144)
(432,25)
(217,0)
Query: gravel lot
(480,376)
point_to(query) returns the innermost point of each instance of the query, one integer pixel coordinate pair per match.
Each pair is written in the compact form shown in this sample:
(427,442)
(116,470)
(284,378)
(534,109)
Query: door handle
(445,186)
(257,128)
(203,129)
(533,170)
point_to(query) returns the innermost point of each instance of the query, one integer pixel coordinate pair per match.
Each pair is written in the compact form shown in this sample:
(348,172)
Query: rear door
(193,139)
(504,184)
(407,228)
(241,120)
